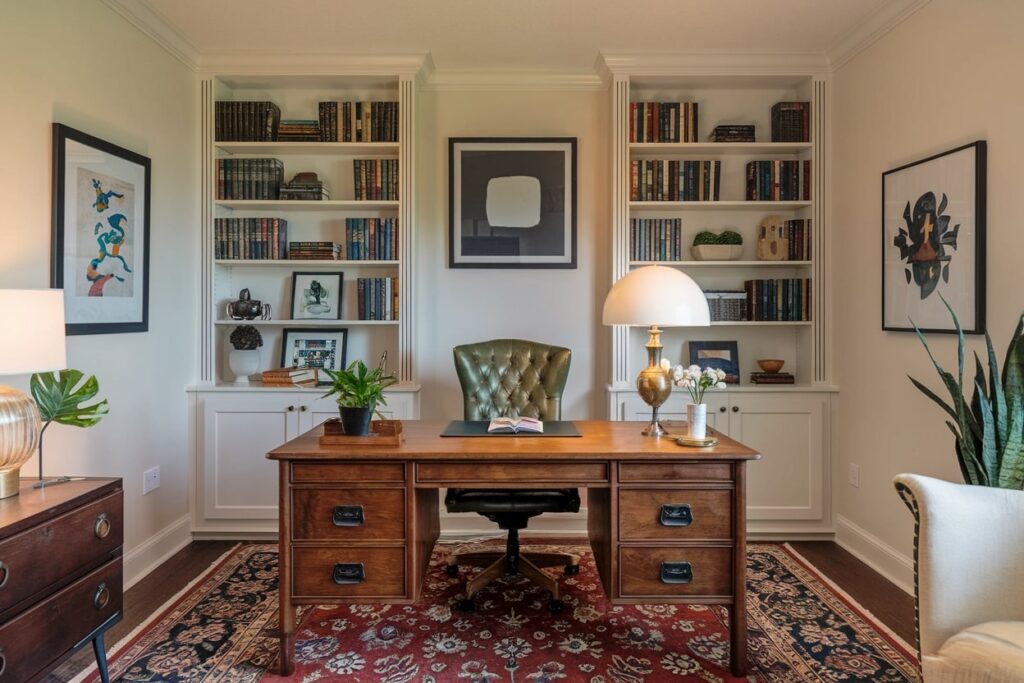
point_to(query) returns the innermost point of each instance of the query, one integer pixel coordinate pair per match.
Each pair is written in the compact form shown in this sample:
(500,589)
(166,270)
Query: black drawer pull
(5,573)
(348,515)
(102,596)
(348,574)
(676,572)
(676,515)
(102,528)
(3,662)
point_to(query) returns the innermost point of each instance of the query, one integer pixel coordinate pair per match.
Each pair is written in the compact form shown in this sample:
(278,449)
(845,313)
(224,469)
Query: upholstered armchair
(512,378)
(968,575)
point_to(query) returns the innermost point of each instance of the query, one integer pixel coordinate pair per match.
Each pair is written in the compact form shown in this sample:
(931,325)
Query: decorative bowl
(716,252)
(771,364)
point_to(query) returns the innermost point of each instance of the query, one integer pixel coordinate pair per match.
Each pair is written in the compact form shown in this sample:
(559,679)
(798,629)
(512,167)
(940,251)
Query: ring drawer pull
(102,596)
(102,528)
(348,515)
(676,572)
(3,662)
(676,515)
(348,574)
(5,573)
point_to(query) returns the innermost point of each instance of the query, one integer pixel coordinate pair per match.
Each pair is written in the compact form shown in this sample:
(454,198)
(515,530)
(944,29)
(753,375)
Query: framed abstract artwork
(933,242)
(316,296)
(314,347)
(512,202)
(100,248)
(720,355)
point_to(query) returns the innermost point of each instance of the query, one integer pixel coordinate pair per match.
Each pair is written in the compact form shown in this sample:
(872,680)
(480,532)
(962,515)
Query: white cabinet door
(788,483)
(674,410)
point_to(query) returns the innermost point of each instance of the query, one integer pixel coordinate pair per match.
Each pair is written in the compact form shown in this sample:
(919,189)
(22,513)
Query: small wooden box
(382,433)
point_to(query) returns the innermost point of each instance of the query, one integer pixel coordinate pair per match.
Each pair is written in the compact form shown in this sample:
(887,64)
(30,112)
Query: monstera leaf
(60,398)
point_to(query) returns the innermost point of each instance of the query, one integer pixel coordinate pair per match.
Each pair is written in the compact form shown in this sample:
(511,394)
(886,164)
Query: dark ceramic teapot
(247,308)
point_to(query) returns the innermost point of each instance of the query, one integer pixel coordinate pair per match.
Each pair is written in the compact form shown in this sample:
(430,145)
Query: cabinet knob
(102,528)
(102,596)
(303,408)
(291,409)
(5,573)
(735,409)
(722,409)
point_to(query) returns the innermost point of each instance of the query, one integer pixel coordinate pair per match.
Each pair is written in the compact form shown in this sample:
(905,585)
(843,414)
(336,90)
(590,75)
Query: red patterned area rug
(801,629)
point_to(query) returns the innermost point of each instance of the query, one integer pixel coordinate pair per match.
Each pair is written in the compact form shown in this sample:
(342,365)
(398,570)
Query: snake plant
(989,428)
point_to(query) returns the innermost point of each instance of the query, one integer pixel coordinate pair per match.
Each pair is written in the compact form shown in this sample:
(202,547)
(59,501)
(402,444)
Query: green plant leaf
(989,455)
(60,397)
(359,387)
(933,396)
(998,397)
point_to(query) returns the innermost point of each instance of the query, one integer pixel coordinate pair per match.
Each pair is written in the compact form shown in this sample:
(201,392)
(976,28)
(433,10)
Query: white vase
(243,362)
(697,420)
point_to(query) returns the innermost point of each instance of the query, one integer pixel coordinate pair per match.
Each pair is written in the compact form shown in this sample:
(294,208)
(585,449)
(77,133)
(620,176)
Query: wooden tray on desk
(382,433)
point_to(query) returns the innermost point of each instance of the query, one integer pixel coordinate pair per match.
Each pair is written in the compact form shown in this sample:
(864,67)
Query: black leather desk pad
(479,428)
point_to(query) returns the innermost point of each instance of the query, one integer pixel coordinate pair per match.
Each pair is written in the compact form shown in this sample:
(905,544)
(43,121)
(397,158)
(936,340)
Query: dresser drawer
(668,572)
(46,554)
(681,471)
(59,622)
(348,572)
(495,475)
(348,514)
(322,472)
(675,514)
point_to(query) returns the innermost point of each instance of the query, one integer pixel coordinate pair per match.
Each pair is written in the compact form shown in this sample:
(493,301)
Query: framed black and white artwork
(100,248)
(512,202)
(314,347)
(933,242)
(316,296)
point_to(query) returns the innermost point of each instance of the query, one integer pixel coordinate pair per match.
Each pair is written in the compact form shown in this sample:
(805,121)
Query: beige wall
(457,306)
(78,63)
(946,76)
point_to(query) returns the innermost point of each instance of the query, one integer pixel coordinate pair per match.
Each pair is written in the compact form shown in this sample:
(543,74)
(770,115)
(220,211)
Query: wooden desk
(667,524)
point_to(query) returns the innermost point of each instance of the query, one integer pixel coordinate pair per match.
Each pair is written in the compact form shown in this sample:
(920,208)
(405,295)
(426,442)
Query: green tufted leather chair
(512,378)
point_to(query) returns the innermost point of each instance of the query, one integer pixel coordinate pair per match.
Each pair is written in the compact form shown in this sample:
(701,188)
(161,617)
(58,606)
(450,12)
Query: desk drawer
(348,572)
(323,472)
(40,557)
(496,473)
(59,622)
(674,514)
(667,572)
(681,471)
(348,514)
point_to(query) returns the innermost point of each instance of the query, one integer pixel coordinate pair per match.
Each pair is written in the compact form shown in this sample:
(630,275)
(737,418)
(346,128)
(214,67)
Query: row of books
(314,251)
(250,238)
(779,299)
(663,122)
(655,239)
(791,122)
(290,377)
(246,121)
(377,297)
(772,378)
(656,180)
(779,180)
(299,130)
(249,178)
(305,187)
(375,179)
(727,305)
(732,133)
(797,233)
(371,239)
(360,122)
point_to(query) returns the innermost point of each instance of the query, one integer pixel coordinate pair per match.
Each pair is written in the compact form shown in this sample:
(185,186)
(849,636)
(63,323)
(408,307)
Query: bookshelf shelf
(302,263)
(368,149)
(297,205)
(739,205)
(724,264)
(714,149)
(762,323)
(305,323)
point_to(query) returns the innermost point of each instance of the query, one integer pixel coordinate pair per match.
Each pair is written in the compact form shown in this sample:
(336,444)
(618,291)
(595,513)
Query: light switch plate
(150,480)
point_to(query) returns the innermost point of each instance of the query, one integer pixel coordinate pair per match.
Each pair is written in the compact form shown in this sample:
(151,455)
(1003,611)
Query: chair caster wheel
(572,569)
(465,605)
(452,570)
(556,606)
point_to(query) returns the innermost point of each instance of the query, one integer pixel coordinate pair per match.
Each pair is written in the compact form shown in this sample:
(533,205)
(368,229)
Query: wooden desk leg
(738,612)
(286,609)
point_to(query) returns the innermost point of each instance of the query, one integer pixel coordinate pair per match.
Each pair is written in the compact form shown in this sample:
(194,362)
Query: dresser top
(34,506)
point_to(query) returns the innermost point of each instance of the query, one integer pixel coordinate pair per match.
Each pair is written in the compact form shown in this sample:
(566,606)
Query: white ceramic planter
(243,362)
(716,252)
(697,420)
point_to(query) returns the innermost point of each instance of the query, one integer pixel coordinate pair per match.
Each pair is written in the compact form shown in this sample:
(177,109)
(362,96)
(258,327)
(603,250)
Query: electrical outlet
(150,480)
(854,475)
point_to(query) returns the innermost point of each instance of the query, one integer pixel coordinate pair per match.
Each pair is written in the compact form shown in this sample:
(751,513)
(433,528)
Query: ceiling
(517,35)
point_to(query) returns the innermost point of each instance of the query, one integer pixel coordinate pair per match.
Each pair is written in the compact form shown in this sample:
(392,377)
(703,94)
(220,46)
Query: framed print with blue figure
(100,248)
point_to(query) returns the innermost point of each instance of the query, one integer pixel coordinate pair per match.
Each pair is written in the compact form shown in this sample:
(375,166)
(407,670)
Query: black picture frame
(538,182)
(937,206)
(107,293)
(334,306)
(730,366)
(315,333)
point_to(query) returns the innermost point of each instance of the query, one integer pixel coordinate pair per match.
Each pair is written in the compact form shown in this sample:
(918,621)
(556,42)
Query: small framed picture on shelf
(316,296)
(100,248)
(314,347)
(933,242)
(720,355)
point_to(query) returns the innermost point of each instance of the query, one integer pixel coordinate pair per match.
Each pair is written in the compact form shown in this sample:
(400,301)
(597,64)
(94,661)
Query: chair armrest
(968,556)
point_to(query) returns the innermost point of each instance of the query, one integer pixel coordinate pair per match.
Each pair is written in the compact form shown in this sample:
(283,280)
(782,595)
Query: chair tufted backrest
(512,378)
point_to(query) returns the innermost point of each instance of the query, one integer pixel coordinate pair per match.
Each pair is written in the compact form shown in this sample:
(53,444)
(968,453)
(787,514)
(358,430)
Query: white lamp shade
(31,331)
(656,295)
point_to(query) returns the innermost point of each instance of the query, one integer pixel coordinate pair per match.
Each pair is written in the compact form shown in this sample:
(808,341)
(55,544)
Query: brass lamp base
(654,384)
(19,436)
(10,482)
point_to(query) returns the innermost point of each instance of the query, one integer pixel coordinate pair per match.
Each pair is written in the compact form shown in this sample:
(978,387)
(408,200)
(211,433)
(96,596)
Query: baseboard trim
(157,549)
(877,554)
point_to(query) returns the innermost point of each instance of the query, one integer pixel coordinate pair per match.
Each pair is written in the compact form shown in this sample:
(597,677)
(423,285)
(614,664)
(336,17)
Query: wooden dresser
(60,573)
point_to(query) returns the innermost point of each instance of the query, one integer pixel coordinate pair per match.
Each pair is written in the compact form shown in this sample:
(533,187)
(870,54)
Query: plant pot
(243,362)
(356,421)
(716,252)
(697,420)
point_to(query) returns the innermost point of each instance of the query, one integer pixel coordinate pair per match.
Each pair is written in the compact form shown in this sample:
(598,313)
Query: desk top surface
(600,440)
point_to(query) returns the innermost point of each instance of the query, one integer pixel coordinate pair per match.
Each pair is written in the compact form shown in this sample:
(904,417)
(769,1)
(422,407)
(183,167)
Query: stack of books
(779,180)
(371,239)
(249,178)
(663,122)
(797,232)
(791,122)
(375,179)
(290,377)
(368,122)
(732,133)
(328,112)
(772,378)
(305,187)
(314,251)
(656,239)
(250,238)
(378,298)
(657,180)
(246,121)
(787,299)
(299,130)
(727,305)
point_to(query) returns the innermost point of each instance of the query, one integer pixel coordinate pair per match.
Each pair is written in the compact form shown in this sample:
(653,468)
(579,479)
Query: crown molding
(141,16)
(611,65)
(479,80)
(314,62)
(887,17)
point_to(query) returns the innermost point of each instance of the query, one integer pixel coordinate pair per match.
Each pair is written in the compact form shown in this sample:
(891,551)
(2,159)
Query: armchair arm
(968,556)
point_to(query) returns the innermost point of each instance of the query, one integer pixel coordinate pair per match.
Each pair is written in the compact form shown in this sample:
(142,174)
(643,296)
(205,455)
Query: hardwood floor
(885,601)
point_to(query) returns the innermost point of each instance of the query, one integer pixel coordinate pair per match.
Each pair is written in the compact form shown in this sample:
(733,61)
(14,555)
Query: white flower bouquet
(697,381)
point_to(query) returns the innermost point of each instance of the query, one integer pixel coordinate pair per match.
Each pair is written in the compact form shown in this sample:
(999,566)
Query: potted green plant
(358,391)
(726,246)
(59,396)
(244,357)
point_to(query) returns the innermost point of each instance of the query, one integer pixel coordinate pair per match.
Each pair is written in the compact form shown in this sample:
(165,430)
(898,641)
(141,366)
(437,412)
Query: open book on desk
(515,425)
